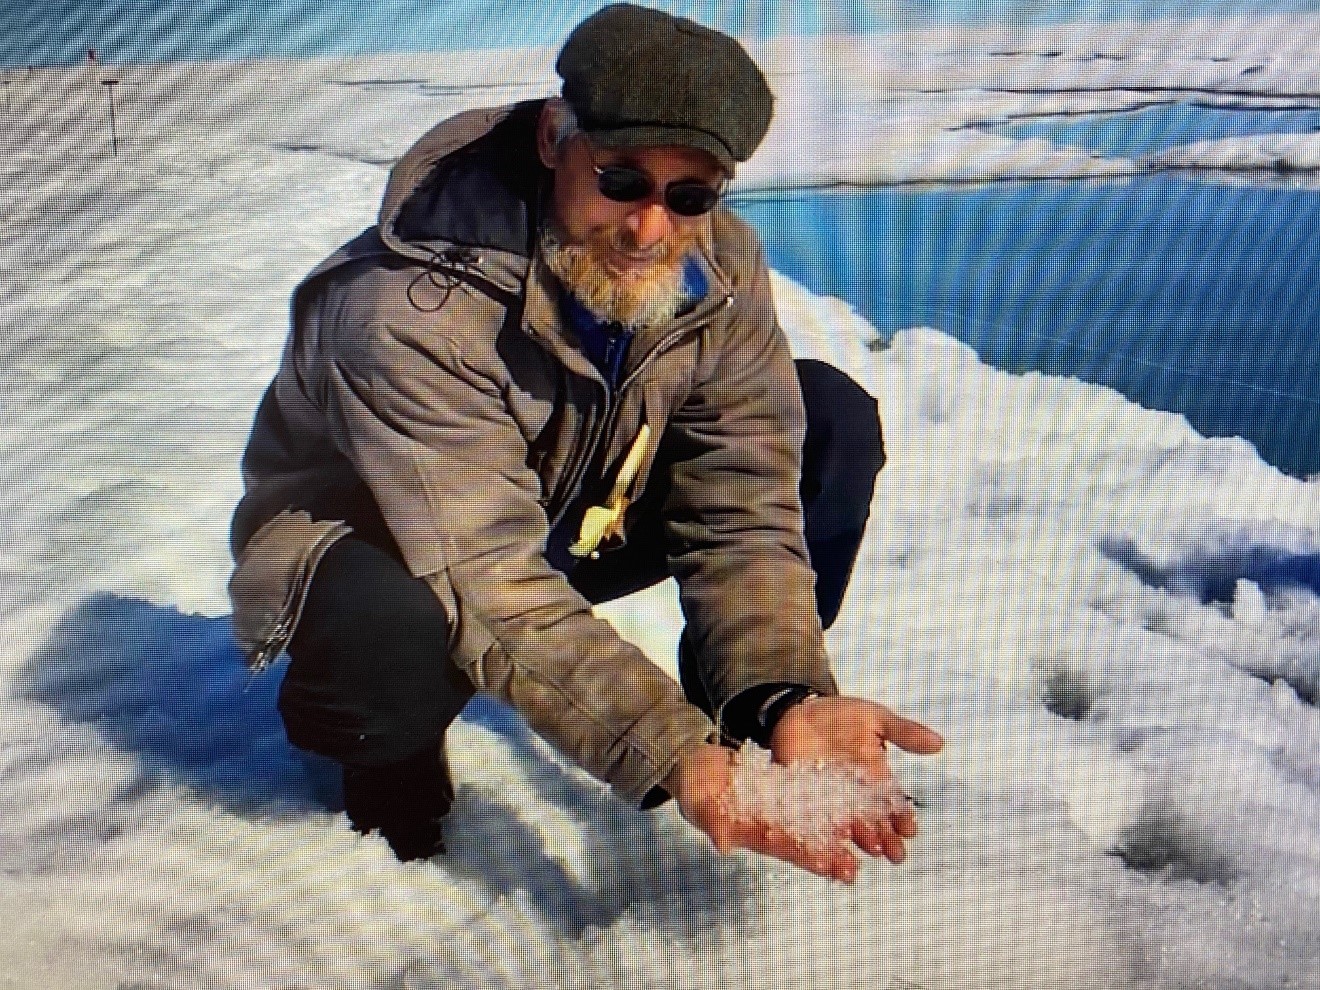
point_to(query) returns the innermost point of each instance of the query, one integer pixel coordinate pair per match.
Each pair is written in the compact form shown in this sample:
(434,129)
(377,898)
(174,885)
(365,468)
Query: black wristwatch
(754,713)
(773,708)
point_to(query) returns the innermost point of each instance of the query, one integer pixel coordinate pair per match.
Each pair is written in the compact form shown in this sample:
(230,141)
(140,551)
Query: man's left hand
(854,732)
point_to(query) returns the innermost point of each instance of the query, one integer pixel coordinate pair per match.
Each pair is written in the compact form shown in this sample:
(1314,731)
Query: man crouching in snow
(552,375)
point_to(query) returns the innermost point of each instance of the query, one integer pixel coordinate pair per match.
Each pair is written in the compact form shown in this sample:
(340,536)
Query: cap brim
(653,136)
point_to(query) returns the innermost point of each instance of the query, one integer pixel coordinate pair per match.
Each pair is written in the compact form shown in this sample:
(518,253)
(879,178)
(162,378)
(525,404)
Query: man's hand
(701,784)
(853,732)
(846,732)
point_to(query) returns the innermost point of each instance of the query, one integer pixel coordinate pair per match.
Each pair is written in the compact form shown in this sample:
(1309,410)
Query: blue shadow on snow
(172,690)
(1212,575)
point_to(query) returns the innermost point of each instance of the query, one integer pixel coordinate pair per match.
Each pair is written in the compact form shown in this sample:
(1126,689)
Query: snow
(811,801)
(920,108)
(1113,620)
(1285,157)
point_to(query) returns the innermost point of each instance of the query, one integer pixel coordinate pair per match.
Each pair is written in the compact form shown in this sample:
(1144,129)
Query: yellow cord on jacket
(603,522)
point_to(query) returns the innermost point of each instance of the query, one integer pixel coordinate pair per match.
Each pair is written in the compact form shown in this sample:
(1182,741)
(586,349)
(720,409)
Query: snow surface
(1282,157)
(1113,621)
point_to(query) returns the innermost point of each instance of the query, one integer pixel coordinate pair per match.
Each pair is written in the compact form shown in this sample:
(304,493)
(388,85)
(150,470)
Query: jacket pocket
(271,580)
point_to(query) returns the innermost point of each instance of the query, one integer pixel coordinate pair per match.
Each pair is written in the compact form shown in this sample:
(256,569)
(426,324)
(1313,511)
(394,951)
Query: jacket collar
(482,157)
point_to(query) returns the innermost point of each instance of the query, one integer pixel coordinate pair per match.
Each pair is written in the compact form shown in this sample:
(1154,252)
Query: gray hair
(563,122)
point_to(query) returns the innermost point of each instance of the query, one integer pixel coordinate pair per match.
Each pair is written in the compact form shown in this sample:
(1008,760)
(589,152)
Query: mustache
(625,242)
(651,295)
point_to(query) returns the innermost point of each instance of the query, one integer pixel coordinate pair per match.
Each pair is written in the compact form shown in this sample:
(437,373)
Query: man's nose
(650,224)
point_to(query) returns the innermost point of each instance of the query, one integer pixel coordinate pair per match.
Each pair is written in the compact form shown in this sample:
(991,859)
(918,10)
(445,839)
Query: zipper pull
(604,522)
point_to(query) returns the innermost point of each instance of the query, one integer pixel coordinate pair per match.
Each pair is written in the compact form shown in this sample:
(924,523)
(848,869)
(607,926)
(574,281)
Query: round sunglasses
(686,197)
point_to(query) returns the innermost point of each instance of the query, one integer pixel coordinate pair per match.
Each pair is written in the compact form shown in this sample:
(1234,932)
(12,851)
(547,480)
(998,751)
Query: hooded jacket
(429,369)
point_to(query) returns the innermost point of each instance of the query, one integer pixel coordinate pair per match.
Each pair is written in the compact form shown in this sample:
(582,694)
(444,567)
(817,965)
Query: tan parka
(429,369)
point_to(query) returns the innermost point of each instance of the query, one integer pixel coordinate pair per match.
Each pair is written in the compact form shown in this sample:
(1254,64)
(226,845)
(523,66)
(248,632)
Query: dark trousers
(370,682)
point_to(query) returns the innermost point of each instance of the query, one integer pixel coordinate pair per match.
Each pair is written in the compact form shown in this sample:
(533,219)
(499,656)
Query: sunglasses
(686,197)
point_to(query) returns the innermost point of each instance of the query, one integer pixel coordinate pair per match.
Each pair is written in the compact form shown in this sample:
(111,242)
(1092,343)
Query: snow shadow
(1162,843)
(1069,693)
(637,861)
(1211,574)
(172,690)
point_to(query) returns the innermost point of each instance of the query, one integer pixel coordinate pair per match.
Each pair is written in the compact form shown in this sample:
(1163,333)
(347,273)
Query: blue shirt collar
(606,342)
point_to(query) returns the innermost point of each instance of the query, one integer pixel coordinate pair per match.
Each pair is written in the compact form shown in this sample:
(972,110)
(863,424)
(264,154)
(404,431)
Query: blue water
(59,32)
(1183,294)
(1157,128)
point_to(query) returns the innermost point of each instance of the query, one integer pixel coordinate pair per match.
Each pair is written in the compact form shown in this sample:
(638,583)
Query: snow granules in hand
(810,801)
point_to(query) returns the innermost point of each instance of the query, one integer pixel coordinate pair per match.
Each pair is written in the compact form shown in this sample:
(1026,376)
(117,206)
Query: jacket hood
(473,184)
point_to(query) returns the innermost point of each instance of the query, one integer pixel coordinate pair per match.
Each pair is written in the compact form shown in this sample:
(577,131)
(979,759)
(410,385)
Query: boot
(405,802)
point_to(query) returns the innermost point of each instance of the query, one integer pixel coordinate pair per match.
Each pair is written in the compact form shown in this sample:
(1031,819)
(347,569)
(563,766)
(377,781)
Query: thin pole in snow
(109,85)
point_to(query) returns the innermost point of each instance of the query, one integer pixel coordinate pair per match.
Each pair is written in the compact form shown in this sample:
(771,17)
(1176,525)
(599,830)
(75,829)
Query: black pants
(371,683)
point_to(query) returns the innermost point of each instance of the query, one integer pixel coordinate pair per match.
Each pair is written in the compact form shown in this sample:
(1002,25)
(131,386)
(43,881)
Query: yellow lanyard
(602,522)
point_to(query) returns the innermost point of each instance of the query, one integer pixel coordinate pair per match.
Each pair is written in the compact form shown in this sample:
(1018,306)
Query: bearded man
(549,376)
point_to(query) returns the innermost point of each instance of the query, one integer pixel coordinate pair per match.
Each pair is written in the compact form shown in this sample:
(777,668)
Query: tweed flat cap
(639,77)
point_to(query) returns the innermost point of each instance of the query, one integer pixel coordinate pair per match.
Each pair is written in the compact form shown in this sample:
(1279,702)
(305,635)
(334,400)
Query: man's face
(623,260)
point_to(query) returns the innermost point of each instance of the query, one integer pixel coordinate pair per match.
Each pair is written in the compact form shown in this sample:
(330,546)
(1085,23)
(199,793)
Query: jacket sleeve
(436,444)
(735,517)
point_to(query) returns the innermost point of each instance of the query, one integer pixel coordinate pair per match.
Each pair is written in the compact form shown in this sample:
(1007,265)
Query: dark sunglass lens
(623,185)
(691,199)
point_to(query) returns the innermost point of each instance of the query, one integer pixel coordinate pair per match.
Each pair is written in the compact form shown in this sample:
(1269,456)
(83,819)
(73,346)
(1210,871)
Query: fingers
(911,736)
(905,822)
(869,837)
(831,860)
(885,838)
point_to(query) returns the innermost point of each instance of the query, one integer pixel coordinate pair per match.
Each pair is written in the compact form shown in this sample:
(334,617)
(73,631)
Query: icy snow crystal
(810,801)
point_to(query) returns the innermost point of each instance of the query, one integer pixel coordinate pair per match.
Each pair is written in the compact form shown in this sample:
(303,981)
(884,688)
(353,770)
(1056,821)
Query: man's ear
(545,136)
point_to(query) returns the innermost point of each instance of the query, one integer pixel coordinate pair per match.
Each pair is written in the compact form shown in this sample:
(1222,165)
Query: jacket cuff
(652,793)
(658,794)
(753,713)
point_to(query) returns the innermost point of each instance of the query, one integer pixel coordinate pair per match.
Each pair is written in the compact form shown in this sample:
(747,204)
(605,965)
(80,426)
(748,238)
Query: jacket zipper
(587,452)
(690,322)
(583,456)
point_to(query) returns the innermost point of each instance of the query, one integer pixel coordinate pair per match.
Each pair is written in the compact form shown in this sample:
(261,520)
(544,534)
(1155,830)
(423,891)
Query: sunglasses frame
(643,185)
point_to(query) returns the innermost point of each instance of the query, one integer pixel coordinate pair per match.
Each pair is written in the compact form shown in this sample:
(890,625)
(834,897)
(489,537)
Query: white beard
(645,299)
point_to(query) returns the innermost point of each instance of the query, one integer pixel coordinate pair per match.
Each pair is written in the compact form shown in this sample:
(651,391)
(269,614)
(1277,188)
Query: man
(549,376)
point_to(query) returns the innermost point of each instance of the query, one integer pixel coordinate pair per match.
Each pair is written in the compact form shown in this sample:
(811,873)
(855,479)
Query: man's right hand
(700,783)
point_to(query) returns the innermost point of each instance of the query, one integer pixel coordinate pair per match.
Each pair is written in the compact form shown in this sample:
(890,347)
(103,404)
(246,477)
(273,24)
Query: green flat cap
(640,77)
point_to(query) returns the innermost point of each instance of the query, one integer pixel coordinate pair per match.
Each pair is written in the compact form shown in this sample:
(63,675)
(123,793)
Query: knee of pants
(370,680)
(844,448)
(841,416)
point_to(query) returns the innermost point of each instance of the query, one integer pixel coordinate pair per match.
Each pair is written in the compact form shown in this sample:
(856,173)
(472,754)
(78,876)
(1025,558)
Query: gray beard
(646,300)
